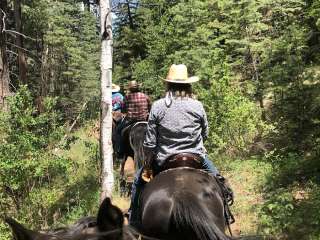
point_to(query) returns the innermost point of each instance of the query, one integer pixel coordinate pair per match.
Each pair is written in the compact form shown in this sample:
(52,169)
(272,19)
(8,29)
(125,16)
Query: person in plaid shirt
(136,104)
(136,108)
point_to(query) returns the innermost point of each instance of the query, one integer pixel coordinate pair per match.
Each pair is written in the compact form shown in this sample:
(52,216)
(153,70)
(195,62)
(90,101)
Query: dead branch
(14,33)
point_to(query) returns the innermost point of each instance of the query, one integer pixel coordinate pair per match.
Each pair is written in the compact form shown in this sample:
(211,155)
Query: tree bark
(22,63)
(130,16)
(4,68)
(106,150)
(87,4)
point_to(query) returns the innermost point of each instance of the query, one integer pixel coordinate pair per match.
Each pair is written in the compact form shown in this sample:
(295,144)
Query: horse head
(108,225)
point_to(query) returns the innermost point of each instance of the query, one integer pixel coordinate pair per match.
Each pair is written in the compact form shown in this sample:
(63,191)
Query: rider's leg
(209,166)
(136,189)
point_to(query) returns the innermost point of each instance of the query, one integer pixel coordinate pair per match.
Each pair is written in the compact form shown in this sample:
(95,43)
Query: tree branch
(3,20)
(14,45)
(13,33)
(9,51)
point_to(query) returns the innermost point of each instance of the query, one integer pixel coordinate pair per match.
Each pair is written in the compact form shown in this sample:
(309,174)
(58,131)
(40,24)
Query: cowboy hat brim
(133,86)
(115,89)
(188,80)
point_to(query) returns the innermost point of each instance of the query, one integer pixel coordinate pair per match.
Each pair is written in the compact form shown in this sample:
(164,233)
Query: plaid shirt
(137,106)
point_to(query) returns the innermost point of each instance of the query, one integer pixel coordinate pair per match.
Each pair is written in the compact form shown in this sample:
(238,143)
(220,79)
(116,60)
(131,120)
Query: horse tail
(192,219)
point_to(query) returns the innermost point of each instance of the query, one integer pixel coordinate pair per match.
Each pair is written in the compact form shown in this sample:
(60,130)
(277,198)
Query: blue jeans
(208,165)
(138,184)
(136,189)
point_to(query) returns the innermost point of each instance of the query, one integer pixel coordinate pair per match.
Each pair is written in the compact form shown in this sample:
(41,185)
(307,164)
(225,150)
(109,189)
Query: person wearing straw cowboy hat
(177,124)
(117,98)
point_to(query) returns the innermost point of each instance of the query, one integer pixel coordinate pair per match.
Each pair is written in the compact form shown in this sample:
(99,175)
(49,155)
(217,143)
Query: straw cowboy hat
(133,84)
(179,74)
(115,88)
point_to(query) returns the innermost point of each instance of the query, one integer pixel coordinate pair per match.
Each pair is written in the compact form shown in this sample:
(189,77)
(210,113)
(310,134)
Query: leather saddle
(183,160)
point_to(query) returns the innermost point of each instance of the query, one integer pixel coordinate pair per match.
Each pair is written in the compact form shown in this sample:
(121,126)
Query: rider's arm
(149,103)
(150,141)
(204,124)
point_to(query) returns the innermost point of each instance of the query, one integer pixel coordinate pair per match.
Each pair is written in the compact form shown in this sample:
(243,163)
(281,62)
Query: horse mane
(78,227)
(195,216)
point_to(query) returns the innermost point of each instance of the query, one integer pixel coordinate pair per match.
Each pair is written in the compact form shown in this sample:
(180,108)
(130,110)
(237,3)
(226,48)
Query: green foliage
(63,57)
(38,180)
(27,136)
(194,33)
(234,119)
(291,193)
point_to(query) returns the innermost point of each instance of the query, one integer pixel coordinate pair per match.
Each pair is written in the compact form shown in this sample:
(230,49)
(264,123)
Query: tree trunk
(22,63)
(86,3)
(4,68)
(106,102)
(130,16)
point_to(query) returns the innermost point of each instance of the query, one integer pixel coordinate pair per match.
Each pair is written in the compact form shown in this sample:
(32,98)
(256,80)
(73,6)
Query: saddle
(175,161)
(182,160)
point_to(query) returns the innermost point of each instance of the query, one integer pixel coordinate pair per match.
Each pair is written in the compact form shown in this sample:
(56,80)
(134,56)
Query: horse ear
(20,232)
(109,216)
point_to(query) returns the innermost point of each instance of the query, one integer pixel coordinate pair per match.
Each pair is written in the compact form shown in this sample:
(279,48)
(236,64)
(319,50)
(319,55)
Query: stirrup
(226,191)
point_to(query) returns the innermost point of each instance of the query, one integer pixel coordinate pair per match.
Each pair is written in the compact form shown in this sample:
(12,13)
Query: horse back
(183,204)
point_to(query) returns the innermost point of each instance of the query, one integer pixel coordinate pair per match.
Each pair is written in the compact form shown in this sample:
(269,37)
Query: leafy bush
(235,121)
(292,197)
(38,180)
(25,162)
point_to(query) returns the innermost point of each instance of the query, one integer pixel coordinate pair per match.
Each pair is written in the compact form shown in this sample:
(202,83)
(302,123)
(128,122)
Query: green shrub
(38,180)
(235,121)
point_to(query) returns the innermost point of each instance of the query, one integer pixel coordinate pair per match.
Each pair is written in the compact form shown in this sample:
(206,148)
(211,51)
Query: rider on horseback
(117,98)
(136,108)
(177,124)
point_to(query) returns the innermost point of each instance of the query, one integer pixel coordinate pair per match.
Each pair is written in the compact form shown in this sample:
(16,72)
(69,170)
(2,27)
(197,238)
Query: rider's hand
(147,174)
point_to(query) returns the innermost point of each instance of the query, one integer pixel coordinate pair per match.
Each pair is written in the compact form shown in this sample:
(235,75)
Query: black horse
(108,225)
(133,137)
(183,203)
(136,138)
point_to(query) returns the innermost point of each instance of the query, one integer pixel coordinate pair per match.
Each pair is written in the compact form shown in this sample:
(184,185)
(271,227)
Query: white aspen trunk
(4,68)
(107,179)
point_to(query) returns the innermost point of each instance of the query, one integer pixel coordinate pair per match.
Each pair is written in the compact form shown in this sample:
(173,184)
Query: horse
(136,138)
(108,225)
(126,167)
(133,138)
(182,203)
